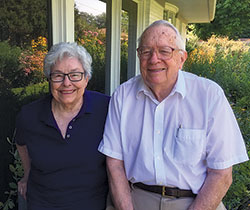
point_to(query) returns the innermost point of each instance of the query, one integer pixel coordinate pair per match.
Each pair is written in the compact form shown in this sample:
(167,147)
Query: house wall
(156,11)
(152,10)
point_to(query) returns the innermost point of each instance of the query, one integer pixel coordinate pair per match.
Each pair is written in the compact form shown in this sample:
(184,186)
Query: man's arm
(213,190)
(120,189)
(22,184)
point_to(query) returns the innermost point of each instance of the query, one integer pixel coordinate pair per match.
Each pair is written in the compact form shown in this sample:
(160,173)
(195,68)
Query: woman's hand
(22,187)
(24,155)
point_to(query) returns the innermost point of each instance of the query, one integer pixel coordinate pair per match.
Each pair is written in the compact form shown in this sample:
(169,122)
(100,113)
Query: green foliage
(232,19)
(94,42)
(82,23)
(227,63)
(124,22)
(124,60)
(101,20)
(89,34)
(124,46)
(238,196)
(88,22)
(22,21)
(11,102)
(31,92)
(18,68)
(17,173)
(10,72)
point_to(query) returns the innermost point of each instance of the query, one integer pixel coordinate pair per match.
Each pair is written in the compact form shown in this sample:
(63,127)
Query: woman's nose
(66,80)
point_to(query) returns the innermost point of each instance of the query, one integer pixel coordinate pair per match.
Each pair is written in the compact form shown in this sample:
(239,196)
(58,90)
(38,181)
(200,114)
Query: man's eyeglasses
(164,53)
(72,76)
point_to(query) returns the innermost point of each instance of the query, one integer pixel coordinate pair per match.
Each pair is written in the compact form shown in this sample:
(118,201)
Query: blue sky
(93,7)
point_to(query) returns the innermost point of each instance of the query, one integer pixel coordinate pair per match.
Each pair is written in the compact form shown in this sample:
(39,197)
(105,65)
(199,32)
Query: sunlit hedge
(227,62)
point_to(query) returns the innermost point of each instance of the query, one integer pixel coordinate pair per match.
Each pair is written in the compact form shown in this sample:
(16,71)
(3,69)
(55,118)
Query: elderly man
(170,137)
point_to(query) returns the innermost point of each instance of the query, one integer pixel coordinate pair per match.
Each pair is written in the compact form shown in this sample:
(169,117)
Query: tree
(83,22)
(86,21)
(232,19)
(101,20)
(124,23)
(22,21)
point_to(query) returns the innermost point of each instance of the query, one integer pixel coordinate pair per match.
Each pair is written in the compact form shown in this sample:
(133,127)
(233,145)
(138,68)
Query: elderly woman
(57,137)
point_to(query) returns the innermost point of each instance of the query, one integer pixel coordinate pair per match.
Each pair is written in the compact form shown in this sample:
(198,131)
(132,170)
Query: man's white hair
(179,40)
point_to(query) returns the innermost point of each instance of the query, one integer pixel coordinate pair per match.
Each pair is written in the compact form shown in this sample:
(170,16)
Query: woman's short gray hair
(179,40)
(62,49)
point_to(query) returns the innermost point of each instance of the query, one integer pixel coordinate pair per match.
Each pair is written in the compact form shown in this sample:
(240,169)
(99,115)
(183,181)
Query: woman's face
(66,92)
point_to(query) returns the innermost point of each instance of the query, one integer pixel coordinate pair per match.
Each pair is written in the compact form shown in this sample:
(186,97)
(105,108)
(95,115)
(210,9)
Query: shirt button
(158,132)
(68,135)
(70,127)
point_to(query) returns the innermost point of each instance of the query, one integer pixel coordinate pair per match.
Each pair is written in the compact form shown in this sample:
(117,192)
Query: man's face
(159,62)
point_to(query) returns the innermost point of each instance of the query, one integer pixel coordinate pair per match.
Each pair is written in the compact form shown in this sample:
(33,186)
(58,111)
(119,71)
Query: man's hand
(120,189)
(213,190)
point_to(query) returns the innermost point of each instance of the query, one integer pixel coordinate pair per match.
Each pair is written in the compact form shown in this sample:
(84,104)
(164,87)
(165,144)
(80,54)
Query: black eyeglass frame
(68,75)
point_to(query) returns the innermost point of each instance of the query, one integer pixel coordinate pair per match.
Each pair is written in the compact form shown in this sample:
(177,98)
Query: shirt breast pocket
(189,146)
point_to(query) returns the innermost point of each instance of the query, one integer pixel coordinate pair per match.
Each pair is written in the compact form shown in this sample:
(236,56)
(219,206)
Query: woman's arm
(24,155)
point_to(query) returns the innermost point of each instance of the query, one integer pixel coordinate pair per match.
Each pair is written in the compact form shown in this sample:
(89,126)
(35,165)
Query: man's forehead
(160,33)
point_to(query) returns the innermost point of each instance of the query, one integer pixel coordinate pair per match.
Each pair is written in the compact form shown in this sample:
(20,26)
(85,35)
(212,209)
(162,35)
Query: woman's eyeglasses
(72,76)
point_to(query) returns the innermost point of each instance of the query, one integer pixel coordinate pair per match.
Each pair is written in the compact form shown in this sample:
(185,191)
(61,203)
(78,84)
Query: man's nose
(154,57)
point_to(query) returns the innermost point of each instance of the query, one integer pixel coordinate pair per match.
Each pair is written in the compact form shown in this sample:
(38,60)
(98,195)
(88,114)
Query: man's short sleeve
(225,144)
(111,143)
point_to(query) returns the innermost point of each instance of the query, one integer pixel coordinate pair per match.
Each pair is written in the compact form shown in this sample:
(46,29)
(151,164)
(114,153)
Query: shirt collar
(88,105)
(46,114)
(180,87)
(142,88)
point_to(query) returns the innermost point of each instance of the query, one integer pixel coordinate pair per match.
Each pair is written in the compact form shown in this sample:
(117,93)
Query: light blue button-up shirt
(172,142)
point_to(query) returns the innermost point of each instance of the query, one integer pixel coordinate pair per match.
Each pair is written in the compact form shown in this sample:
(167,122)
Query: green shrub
(10,71)
(31,92)
(94,42)
(227,63)
(11,102)
(17,173)
(124,60)
(22,67)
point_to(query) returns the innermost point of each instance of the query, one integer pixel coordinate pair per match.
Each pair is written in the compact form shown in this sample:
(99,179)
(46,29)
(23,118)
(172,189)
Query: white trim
(115,45)
(171,8)
(142,20)
(62,21)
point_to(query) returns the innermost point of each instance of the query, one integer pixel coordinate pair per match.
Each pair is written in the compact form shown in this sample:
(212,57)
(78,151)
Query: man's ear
(183,58)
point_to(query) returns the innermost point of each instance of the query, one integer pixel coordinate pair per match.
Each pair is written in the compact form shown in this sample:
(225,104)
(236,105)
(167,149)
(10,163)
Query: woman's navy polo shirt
(68,173)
